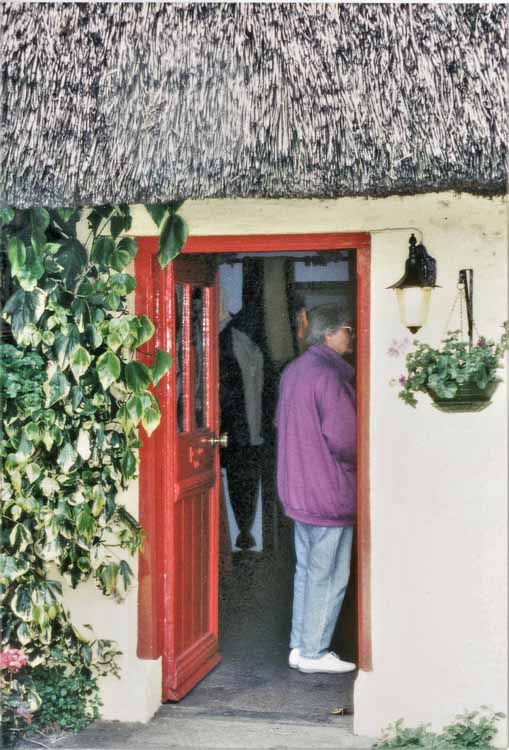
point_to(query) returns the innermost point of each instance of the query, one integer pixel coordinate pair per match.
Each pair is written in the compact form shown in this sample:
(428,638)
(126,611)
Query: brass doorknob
(222,440)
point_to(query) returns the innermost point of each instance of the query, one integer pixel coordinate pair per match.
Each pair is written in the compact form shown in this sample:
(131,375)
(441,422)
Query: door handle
(222,440)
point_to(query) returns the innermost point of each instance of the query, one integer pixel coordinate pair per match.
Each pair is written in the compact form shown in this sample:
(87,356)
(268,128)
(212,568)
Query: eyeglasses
(350,329)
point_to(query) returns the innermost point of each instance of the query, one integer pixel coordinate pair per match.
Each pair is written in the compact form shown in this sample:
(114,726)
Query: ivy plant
(73,399)
(472,729)
(173,230)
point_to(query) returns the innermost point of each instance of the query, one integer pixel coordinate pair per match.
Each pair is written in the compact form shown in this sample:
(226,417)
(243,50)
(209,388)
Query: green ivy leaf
(122,283)
(102,250)
(16,253)
(80,362)
(97,216)
(174,206)
(67,457)
(40,220)
(73,258)
(151,413)
(33,472)
(65,213)
(127,244)
(93,336)
(57,388)
(24,633)
(128,465)
(20,537)
(83,444)
(134,409)
(157,212)
(145,330)
(174,235)
(21,603)
(32,432)
(108,368)
(162,364)
(125,573)
(137,376)
(77,396)
(79,310)
(118,224)
(84,634)
(99,498)
(63,221)
(49,487)
(108,576)
(25,448)
(14,511)
(12,567)
(22,309)
(86,524)
(7,214)
(32,271)
(16,481)
(64,346)
(112,301)
(123,254)
(124,418)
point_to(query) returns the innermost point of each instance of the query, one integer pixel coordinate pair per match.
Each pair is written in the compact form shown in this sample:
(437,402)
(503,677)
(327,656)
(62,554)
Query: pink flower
(397,348)
(13,659)
(25,713)
(402,380)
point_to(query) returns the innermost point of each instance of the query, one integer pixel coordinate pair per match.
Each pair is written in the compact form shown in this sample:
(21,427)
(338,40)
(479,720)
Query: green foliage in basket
(444,369)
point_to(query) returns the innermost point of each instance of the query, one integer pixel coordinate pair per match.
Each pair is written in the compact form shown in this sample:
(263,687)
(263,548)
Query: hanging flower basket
(469,397)
(456,376)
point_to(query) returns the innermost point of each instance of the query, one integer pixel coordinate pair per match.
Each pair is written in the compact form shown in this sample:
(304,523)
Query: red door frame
(150,596)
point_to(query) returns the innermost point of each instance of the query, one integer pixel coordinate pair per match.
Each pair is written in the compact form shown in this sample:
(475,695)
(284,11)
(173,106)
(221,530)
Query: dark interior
(262,295)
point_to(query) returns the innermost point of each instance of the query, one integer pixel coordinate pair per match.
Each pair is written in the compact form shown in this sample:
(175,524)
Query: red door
(179,474)
(178,595)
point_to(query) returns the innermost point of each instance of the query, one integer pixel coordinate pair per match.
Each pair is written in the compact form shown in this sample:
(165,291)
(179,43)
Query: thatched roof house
(145,102)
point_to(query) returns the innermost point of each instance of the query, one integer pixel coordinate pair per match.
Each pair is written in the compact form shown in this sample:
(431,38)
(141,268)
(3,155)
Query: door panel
(183,518)
(194,608)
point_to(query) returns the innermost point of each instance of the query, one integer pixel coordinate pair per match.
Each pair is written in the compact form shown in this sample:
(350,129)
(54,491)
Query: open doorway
(263,302)
(180,473)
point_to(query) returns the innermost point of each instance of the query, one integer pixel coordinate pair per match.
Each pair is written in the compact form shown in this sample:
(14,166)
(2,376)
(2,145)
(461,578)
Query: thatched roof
(147,102)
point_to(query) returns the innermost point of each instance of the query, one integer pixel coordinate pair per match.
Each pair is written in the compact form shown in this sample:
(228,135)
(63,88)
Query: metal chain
(462,300)
(446,329)
(462,297)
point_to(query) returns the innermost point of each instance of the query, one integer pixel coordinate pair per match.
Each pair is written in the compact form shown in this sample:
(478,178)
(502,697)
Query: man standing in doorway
(316,482)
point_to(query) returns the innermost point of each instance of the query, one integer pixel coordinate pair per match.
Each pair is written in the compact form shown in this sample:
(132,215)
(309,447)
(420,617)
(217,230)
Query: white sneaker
(329,663)
(293,659)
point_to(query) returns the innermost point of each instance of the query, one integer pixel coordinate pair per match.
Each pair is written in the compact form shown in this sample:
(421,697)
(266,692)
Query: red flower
(13,659)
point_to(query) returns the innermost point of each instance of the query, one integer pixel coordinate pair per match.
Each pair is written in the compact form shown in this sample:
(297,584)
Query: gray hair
(324,321)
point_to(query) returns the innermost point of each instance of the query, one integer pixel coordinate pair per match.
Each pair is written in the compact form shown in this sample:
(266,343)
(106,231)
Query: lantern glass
(413,304)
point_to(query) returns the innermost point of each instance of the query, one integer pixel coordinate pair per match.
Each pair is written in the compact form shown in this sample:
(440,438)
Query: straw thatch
(147,102)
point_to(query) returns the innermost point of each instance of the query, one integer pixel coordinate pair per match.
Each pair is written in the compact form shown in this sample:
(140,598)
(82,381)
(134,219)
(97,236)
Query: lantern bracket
(420,267)
(466,284)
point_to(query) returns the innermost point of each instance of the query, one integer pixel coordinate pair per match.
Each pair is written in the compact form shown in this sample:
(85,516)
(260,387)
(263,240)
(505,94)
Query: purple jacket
(317,439)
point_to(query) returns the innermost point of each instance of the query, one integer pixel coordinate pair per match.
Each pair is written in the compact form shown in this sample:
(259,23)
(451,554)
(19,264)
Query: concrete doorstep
(183,729)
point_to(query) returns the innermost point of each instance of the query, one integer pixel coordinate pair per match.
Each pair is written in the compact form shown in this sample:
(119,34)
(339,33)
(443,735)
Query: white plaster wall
(136,696)
(438,481)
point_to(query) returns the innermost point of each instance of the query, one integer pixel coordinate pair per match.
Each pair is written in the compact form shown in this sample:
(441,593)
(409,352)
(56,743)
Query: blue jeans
(321,577)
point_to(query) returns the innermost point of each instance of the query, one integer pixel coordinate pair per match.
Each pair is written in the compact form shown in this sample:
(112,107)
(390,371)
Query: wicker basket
(469,397)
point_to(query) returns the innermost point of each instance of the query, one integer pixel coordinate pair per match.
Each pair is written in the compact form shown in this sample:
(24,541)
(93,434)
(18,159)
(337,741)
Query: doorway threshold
(253,679)
(175,728)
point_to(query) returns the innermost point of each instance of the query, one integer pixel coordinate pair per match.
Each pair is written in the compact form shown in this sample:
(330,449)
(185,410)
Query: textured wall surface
(438,481)
(147,102)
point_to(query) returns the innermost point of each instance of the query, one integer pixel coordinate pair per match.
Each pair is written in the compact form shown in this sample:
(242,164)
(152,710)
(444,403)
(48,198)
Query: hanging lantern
(413,290)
